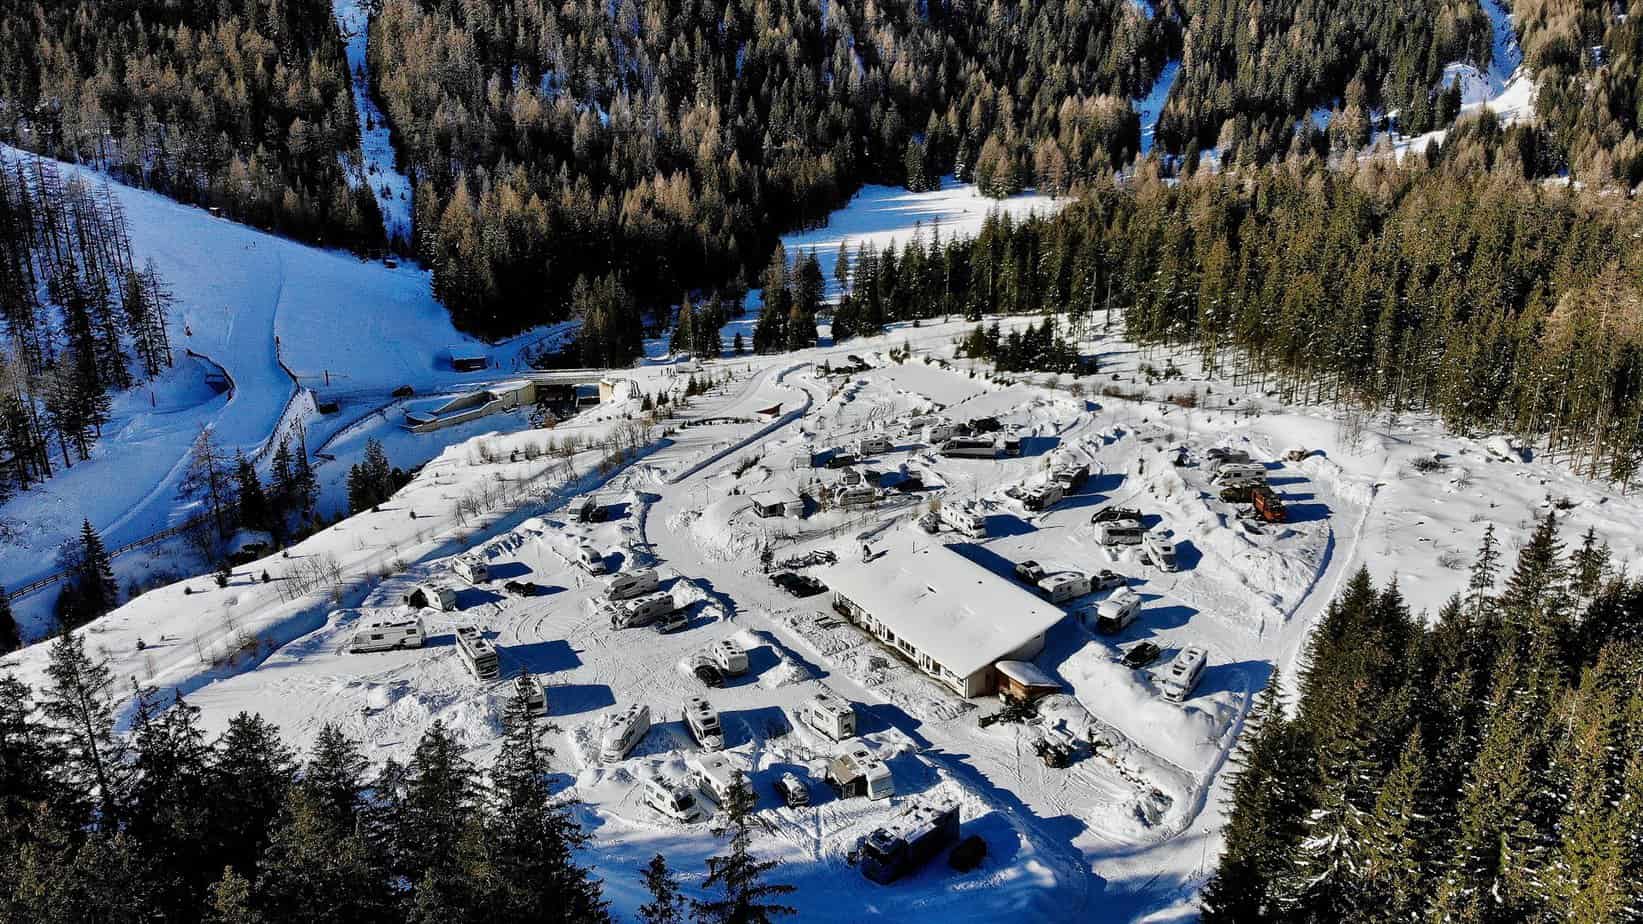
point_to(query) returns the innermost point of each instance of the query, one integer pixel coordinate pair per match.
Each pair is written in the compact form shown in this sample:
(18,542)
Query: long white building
(946,614)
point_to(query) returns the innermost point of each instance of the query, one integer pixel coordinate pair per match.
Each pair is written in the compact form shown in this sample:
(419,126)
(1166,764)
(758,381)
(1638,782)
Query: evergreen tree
(254,510)
(208,480)
(76,704)
(739,875)
(28,755)
(250,775)
(666,905)
(168,816)
(11,638)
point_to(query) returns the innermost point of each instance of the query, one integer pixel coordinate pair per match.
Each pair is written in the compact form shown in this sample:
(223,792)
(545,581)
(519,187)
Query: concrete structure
(493,399)
(951,617)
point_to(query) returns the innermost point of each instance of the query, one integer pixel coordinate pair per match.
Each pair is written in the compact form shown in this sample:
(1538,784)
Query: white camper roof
(947,606)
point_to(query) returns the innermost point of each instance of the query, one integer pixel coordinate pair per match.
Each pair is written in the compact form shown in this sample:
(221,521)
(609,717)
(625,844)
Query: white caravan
(731,657)
(643,611)
(1240,473)
(472,570)
(384,633)
(972,447)
(713,774)
(830,715)
(858,495)
(873,445)
(670,800)
(1183,673)
(1116,612)
(1160,551)
(536,698)
(703,721)
(1119,532)
(623,730)
(632,584)
(857,772)
(1063,586)
(478,653)
(966,519)
(434,595)
(589,559)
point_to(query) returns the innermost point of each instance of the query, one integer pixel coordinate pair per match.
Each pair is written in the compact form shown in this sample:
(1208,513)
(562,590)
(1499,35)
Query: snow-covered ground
(391,187)
(350,330)
(1151,106)
(1126,833)
(1508,89)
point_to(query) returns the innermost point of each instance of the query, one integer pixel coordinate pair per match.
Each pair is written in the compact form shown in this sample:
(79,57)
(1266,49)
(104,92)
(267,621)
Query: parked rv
(1111,513)
(971,447)
(384,633)
(590,560)
(631,584)
(965,519)
(624,730)
(673,801)
(858,495)
(1268,505)
(478,653)
(1183,673)
(1119,532)
(1160,551)
(472,570)
(840,459)
(1042,497)
(703,721)
(642,611)
(830,715)
(1071,476)
(434,595)
(729,656)
(1115,613)
(857,772)
(535,697)
(714,775)
(1239,473)
(1220,458)
(908,841)
(873,445)
(938,433)
(1063,586)
(591,511)
(793,792)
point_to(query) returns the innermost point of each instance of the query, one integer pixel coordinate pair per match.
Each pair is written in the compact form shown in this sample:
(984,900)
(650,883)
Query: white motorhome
(535,697)
(713,774)
(731,657)
(670,800)
(643,611)
(589,559)
(1042,496)
(873,444)
(1182,674)
(857,772)
(1239,473)
(1063,586)
(624,730)
(939,432)
(1218,458)
(478,653)
(1116,612)
(972,447)
(966,519)
(857,495)
(830,715)
(472,570)
(1160,551)
(1119,532)
(632,584)
(703,721)
(434,595)
(384,633)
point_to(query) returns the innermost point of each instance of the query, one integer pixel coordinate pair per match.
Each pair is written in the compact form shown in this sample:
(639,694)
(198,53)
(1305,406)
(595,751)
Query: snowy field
(1127,832)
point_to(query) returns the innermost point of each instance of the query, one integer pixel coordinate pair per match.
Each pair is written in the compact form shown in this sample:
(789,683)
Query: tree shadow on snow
(507,570)
(1187,555)
(1038,445)
(1007,524)
(1231,677)
(1307,513)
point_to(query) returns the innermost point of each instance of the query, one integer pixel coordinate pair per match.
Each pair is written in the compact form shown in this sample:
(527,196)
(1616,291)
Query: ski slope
(391,187)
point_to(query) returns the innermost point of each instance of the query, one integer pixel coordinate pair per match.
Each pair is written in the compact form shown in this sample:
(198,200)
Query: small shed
(1024,681)
(777,503)
(468,358)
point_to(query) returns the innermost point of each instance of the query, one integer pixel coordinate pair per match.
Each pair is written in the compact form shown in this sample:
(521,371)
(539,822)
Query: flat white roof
(943,604)
(775,496)
(1027,673)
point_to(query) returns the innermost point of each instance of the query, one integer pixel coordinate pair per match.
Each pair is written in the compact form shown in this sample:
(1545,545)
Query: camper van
(1181,675)
(859,495)
(472,570)
(713,774)
(703,721)
(1012,443)
(731,657)
(971,447)
(1041,496)
(591,511)
(1071,476)
(1119,532)
(830,715)
(1115,613)
(1230,474)
(434,595)
(1063,586)
(535,697)
(1219,458)
(1160,551)
(672,801)
(642,611)
(623,730)
(589,559)
(963,518)
(478,653)
(793,792)
(873,445)
(857,772)
(939,432)
(384,633)
(909,840)
(632,584)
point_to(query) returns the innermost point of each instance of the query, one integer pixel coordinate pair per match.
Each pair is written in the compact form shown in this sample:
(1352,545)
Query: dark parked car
(799,585)
(706,671)
(522,588)
(840,460)
(1141,655)
(1029,571)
